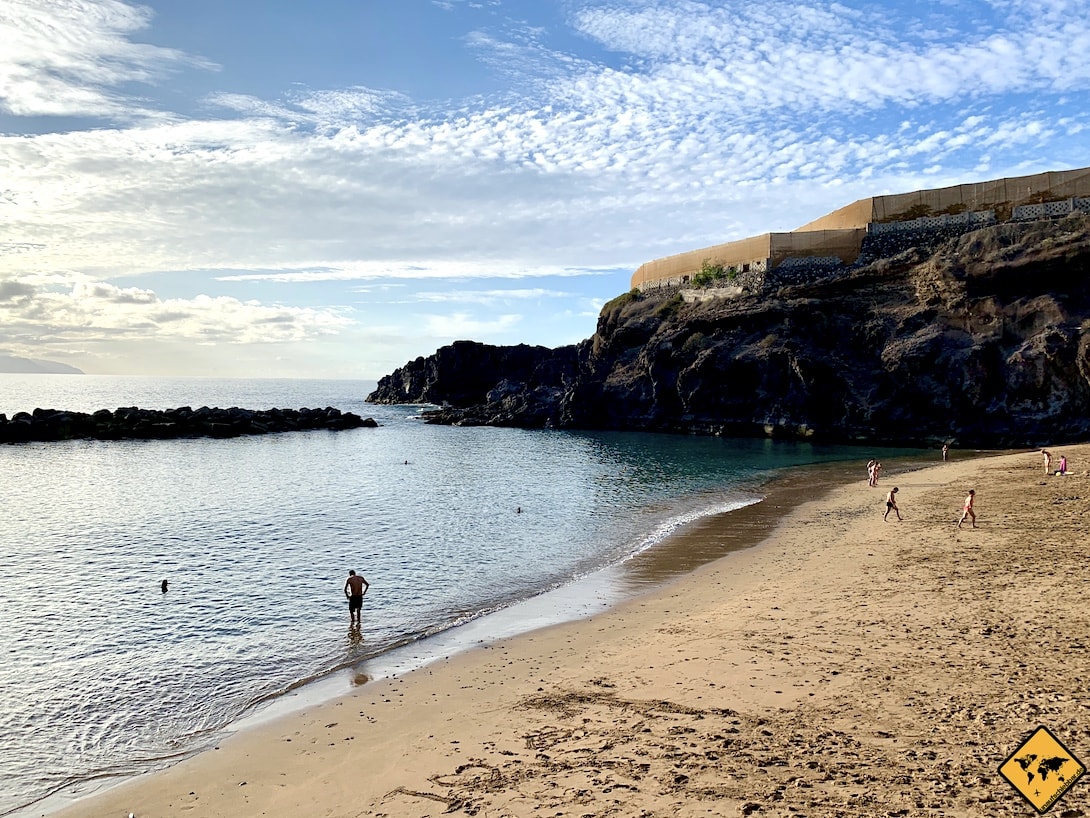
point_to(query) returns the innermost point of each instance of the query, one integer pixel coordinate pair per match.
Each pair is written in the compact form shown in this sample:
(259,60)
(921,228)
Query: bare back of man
(354,589)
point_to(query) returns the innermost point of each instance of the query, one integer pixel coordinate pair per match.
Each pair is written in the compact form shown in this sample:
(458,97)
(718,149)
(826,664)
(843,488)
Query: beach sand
(845,666)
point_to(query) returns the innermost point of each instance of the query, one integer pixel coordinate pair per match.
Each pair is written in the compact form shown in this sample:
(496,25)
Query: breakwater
(155,424)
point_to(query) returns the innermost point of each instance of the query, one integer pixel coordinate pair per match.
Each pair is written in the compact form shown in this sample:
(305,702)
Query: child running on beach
(891,504)
(968,509)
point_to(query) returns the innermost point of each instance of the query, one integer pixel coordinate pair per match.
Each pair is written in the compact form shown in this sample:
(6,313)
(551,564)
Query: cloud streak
(67,57)
(97,311)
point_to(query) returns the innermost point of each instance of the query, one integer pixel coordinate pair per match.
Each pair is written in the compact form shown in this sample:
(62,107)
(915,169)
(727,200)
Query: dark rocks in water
(154,424)
(981,340)
(483,385)
(467,373)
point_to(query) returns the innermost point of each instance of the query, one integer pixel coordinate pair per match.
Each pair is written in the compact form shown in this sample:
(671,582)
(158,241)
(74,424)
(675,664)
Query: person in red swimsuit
(968,509)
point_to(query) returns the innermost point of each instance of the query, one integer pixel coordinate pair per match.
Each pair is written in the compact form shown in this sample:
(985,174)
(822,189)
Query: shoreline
(694,544)
(830,668)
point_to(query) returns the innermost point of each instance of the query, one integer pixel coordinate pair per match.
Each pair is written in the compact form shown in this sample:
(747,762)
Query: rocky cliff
(980,340)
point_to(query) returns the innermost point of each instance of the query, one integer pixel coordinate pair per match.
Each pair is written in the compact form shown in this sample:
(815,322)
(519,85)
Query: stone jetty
(154,424)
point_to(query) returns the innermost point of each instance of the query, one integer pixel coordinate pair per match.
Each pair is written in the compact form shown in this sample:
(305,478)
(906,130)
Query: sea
(465,534)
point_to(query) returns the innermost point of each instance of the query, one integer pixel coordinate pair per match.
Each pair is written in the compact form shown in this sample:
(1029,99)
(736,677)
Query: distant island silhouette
(14,365)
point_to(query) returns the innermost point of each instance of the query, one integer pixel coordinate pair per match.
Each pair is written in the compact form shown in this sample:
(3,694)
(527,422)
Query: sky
(330,189)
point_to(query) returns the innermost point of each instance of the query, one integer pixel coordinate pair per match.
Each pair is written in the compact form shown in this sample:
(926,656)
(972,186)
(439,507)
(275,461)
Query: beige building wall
(759,252)
(756,249)
(844,244)
(858,214)
(1000,195)
(841,232)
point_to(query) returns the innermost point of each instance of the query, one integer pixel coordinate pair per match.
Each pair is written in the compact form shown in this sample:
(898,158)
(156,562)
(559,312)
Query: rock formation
(147,424)
(980,340)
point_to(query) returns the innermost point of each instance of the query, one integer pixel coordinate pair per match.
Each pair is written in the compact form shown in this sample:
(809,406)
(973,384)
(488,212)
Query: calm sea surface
(103,676)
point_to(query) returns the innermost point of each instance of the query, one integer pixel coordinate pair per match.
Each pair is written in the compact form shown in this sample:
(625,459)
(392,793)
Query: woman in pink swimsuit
(969,509)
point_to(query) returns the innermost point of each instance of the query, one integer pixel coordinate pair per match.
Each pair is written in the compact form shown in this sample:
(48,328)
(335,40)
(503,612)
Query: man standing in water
(354,588)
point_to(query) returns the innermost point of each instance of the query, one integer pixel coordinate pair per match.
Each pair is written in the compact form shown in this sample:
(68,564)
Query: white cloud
(486,298)
(65,58)
(708,122)
(335,109)
(95,312)
(782,58)
(420,270)
(462,326)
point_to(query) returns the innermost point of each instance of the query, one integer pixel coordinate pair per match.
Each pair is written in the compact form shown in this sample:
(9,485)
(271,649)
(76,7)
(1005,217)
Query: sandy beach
(844,666)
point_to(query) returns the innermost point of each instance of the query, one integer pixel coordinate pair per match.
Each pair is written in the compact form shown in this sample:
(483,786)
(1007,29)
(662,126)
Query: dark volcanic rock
(982,340)
(479,384)
(153,424)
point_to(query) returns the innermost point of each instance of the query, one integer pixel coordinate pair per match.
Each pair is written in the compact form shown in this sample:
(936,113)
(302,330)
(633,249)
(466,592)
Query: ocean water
(104,676)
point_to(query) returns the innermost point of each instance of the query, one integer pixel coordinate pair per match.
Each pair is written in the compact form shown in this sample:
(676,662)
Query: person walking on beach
(945,452)
(968,512)
(354,589)
(1048,460)
(891,504)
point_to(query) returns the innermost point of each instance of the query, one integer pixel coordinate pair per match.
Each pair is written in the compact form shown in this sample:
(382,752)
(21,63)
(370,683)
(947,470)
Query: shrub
(708,273)
(671,307)
(622,300)
(694,343)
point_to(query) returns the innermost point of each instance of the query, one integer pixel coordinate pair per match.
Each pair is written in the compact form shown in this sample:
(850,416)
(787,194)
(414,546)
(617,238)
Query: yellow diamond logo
(1042,769)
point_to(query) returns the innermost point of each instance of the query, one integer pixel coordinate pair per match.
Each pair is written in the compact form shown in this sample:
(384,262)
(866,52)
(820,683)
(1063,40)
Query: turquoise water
(104,676)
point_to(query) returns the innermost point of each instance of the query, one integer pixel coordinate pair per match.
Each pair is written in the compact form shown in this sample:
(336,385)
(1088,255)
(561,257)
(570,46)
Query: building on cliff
(838,238)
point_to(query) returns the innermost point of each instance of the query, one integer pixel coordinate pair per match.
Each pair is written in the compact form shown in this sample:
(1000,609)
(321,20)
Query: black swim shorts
(355,602)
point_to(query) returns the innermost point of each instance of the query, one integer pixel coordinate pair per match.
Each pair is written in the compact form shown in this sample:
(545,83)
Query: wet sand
(844,666)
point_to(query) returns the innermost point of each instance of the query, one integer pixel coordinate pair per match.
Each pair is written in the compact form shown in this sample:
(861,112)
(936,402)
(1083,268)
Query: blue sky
(330,189)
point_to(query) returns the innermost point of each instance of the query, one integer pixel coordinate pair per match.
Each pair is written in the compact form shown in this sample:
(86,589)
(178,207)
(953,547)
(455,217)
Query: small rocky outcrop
(483,385)
(981,339)
(154,424)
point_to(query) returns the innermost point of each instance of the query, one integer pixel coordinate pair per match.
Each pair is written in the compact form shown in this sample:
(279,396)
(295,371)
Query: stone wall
(979,218)
(1051,210)
(884,245)
(802,270)
(691,296)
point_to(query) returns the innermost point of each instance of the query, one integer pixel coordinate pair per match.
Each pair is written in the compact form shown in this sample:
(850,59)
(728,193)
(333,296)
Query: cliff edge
(980,340)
